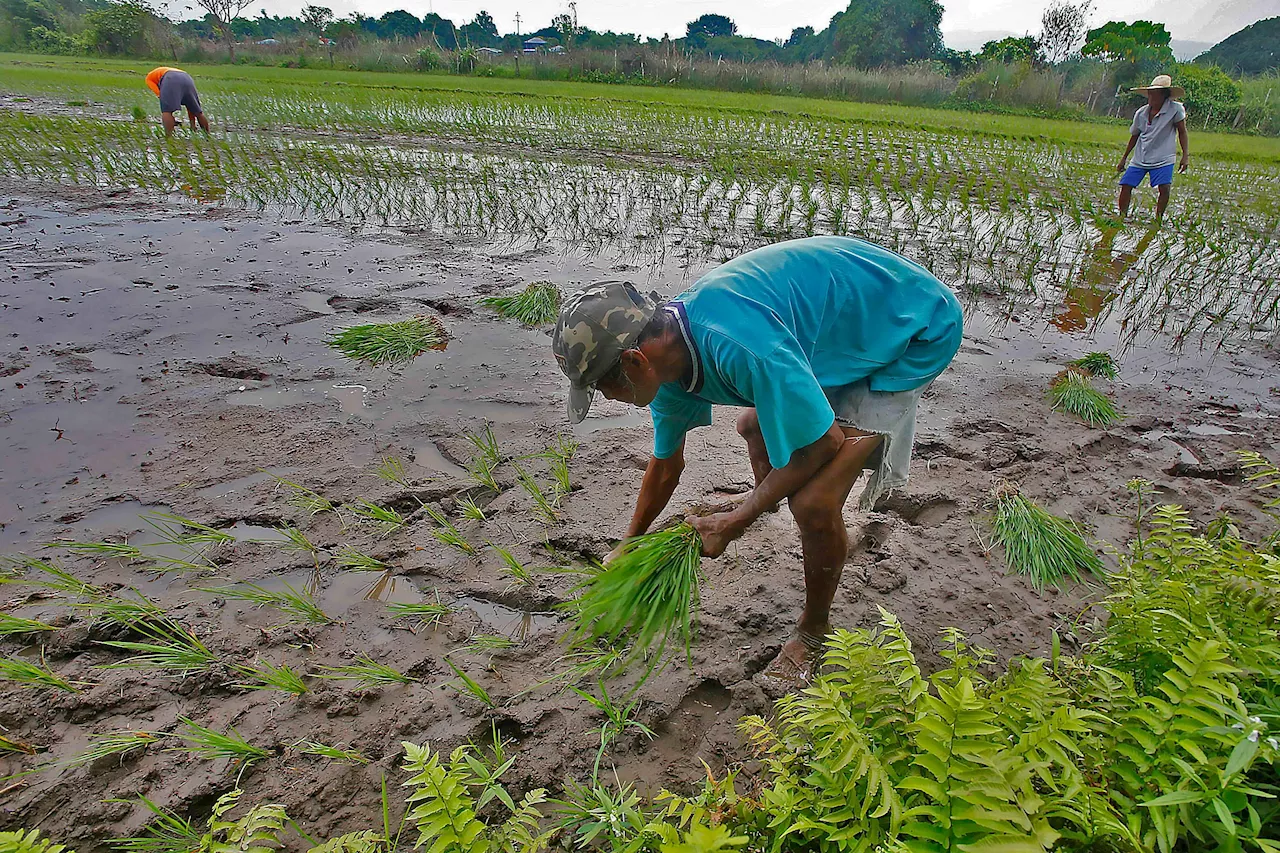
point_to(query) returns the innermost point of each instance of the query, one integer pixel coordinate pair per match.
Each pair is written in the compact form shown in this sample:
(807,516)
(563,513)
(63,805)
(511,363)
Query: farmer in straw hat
(825,343)
(175,89)
(1151,142)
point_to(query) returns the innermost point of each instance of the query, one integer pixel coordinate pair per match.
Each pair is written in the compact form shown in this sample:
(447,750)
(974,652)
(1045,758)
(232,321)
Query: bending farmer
(1151,142)
(175,89)
(826,343)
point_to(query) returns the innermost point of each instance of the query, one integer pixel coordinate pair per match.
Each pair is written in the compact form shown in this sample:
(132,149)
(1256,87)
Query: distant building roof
(535,40)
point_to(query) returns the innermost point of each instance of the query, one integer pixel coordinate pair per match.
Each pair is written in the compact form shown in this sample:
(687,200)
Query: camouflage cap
(596,326)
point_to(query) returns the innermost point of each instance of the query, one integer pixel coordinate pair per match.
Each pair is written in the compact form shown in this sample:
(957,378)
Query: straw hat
(1162,81)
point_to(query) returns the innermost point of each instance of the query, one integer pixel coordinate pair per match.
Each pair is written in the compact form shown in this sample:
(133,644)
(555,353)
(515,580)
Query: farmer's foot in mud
(799,659)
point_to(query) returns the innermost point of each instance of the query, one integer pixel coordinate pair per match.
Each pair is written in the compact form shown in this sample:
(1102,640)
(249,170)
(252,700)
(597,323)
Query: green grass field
(83,76)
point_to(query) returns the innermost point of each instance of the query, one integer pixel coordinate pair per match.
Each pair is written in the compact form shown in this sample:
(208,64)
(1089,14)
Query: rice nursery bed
(270,561)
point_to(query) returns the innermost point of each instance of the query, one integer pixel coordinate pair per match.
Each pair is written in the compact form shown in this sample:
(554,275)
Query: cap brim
(580,402)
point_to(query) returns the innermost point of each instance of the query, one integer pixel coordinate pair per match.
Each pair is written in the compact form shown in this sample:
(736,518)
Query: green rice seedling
(168,833)
(486,445)
(11,626)
(127,611)
(1072,392)
(542,506)
(520,576)
(300,497)
(469,685)
(481,469)
(478,644)
(295,541)
(385,519)
(112,743)
(334,753)
(1037,544)
(267,676)
(448,534)
(211,745)
(427,614)
(471,509)
(59,579)
(649,592)
(618,720)
(366,672)
(138,113)
(395,343)
(29,674)
(537,304)
(105,550)
(199,543)
(595,661)
(1097,364)
(170,648)
(391,469)
(299,605)
(350,558)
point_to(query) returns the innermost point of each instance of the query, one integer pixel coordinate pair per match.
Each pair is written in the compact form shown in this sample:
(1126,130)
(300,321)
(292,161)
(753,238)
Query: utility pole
(519,44)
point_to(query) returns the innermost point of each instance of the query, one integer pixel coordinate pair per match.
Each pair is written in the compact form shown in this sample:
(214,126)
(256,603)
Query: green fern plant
(258,831)
(448,794)
(29,842)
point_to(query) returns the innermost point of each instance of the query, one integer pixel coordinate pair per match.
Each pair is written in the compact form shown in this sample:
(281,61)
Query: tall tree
(872,33)
(1132,42)
(1062,28)
(446,35)
(317,17)
(708,26)
(481,32)
(399,25)
(223,13)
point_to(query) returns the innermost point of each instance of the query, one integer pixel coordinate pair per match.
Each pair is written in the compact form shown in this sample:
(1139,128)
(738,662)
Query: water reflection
(1099,279)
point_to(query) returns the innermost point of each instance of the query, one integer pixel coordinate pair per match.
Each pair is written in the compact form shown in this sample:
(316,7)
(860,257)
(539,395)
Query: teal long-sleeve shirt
(774,327)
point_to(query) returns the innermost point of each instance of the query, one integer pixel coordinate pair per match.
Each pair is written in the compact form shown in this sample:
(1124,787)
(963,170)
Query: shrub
(1212,96)
(428,60)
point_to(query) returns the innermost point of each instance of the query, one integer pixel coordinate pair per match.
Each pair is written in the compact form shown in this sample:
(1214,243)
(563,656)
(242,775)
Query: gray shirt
(1158,139)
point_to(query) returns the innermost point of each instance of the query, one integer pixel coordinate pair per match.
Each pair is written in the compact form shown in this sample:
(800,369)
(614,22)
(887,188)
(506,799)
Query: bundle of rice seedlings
(648,592)
(1072,392)
(16,625)
(1037,544)
(391,343)
(426,614)
(366,672)
(537,304)
(1097,364)
(333,753)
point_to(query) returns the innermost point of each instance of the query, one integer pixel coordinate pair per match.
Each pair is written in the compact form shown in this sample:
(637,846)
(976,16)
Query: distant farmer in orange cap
(175,89)
(1156,130)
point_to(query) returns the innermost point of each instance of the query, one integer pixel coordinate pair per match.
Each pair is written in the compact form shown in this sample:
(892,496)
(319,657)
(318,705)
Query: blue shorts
(1161,176)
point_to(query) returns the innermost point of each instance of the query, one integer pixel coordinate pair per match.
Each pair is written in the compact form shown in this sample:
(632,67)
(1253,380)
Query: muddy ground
(163,358)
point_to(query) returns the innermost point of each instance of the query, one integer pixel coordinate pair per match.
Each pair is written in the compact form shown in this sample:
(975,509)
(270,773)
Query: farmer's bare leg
(169,121)
(819,512)
(1126,193)
(1162,200)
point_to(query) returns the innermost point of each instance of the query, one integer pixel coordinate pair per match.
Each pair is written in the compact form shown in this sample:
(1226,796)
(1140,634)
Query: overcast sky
(1195,20)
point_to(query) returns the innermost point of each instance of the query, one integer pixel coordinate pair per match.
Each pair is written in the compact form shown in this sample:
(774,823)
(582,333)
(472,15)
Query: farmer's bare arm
(1124,158)
(719,530)
(1182,140)
(660,480)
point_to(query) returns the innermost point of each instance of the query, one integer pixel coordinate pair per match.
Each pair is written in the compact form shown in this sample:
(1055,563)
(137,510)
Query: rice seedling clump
(1098,364)
(1072,392)
(648,592)
(1038,544)
(537,304)
(391,343)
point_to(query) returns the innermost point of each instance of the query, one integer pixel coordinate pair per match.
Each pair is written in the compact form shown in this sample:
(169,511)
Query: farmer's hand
(717,531)
(1120,165)
(1186,161)
(613,555)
